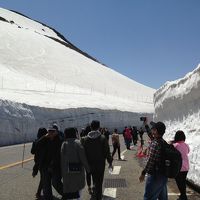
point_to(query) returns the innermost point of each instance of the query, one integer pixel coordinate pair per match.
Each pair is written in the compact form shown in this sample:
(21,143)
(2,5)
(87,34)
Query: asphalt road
(16,183)
(14,153)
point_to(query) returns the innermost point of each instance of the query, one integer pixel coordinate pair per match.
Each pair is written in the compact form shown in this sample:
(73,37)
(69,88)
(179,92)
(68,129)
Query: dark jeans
(128,143)
(97,177)
(39,190)
(135,139)
(181,183)
(71,195)
(116,147)
(49,177)
(88,179)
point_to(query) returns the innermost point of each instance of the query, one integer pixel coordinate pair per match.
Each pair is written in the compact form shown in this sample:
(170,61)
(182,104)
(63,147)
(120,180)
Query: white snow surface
(40,75)
(177,103)
(27,24)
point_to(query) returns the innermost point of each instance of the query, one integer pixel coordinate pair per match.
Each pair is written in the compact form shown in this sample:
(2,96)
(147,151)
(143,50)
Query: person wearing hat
(156,182)
(60,133)
(49,147)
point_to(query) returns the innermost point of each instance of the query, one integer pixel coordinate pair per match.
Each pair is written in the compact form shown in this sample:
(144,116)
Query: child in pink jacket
(183,148)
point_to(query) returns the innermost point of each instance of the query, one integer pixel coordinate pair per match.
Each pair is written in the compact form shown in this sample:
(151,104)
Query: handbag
(74,167)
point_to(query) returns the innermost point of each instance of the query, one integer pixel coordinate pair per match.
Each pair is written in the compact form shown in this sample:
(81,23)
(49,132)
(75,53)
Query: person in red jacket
(128,138)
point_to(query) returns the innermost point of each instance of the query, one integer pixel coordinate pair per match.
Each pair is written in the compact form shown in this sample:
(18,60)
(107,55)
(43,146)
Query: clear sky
(150,41)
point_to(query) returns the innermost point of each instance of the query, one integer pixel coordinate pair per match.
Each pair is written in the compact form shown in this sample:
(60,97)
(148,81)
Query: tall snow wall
(20,122)
(177,103)
(44,78)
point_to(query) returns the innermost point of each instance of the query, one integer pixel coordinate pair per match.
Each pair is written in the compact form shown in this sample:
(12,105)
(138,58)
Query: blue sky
(149,41)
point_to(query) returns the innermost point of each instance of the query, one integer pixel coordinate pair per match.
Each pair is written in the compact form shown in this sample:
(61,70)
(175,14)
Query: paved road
(14,153)
(18,184)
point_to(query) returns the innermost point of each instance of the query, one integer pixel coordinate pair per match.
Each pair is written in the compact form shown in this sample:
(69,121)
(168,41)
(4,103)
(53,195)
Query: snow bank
(20,122)
(45,78)
(177,103)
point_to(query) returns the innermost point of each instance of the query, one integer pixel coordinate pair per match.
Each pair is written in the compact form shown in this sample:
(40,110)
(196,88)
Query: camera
(143,119)
(152,123)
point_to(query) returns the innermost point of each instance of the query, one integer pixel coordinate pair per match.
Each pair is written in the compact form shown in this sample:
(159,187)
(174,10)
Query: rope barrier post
(23,155)
(24,146)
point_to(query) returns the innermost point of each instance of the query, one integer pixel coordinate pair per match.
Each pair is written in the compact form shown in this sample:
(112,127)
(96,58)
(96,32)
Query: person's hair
(179,136)
(70,133)
(115,130)
(87,130)
(41,132)
(55,126)
(160,127)
(95,125)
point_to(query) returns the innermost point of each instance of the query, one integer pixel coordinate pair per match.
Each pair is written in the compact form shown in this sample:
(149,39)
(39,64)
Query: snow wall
(20,122)
(177,103)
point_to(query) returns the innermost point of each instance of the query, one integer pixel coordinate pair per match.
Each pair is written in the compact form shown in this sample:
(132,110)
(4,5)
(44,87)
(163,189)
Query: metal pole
(23,154)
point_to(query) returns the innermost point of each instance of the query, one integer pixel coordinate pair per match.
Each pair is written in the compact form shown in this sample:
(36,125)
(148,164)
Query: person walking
(73,165)
(88,174)
(141,133)
(156,182)
(82,133)
(128,138)
(116,144)
(183,148)
(107,134)
(97,151)
(37,156)
(49,147)
(60,133)
(135,135)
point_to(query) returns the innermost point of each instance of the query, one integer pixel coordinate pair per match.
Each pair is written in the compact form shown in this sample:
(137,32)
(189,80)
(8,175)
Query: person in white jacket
(73,165)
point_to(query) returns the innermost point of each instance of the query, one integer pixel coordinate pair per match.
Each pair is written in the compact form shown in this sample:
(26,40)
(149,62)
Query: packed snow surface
(177,103)
(42,72)
(48,74)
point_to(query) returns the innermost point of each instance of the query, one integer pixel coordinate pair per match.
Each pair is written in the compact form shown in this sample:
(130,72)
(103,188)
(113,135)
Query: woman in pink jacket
(180,145)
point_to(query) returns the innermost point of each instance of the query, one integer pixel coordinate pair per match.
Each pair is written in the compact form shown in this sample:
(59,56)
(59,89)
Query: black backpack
(94,148)
(171,160)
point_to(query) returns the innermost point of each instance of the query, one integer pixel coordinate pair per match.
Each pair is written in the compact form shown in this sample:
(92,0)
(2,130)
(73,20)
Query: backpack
(94,148)
(171,160)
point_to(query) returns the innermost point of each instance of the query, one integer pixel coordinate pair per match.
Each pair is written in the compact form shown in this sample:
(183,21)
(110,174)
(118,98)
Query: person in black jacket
(106,133)
(41,132)
(48,148)
(60,133)
(88,174)
(97,151)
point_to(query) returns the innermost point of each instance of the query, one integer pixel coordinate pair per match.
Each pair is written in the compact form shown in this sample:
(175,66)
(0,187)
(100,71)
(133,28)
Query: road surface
(123,184)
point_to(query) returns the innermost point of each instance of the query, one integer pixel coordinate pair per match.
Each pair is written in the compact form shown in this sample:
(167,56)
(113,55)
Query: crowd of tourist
(69,160)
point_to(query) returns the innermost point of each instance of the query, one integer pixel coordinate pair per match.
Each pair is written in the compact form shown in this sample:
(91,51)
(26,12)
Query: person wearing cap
(156,182)
(49,147)
(60,133)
